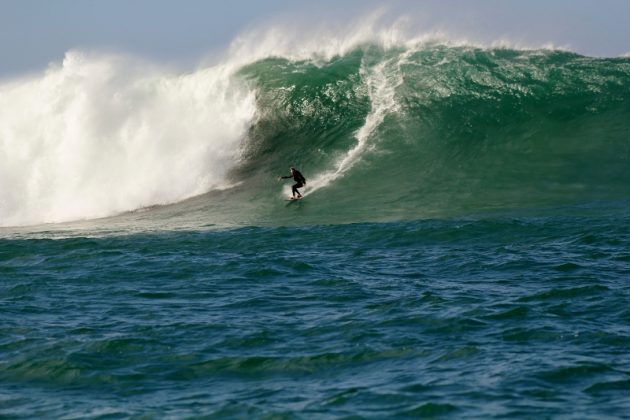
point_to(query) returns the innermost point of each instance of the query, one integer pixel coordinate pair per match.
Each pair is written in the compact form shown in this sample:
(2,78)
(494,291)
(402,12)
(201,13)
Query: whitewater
(98,135)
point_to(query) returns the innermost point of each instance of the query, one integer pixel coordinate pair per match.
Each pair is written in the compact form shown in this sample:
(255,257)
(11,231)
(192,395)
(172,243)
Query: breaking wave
(383,127)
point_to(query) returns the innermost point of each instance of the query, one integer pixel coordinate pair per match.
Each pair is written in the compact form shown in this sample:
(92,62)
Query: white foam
(98,135)
(382,81)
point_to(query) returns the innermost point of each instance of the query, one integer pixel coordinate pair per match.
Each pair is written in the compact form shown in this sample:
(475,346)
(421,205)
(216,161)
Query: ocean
(462,250)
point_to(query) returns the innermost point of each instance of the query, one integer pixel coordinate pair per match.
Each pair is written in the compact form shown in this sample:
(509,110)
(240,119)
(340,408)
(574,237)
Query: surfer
(298,178)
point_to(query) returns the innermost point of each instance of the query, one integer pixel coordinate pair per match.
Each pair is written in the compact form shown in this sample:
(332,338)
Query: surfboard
(295,199)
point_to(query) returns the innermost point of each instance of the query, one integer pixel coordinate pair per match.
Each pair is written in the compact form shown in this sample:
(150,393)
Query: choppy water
(462,250)
(472,318)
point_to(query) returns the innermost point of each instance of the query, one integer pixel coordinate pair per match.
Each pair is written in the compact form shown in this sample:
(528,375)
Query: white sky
(34,33)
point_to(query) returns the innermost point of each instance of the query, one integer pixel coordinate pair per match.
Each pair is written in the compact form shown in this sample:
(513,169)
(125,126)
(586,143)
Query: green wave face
(439,131)
(307,112)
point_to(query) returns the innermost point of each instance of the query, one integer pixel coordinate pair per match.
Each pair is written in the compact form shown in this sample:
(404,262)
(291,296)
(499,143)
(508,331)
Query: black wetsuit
(299,178)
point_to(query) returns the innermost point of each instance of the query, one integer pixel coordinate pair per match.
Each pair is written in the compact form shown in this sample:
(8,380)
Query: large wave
(383,126)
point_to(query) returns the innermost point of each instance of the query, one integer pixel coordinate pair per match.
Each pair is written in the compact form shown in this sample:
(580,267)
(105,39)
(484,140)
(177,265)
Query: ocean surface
(462,250)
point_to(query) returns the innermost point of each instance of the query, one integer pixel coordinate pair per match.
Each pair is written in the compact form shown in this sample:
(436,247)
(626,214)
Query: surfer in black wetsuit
(297,177)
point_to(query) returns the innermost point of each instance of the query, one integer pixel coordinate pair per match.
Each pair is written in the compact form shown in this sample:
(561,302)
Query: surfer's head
(292,169)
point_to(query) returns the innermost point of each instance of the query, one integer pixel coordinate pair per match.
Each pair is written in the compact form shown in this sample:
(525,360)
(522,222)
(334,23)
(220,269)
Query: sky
(34,33)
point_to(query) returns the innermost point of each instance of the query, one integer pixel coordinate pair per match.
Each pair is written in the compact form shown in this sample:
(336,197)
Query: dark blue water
(479,317)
